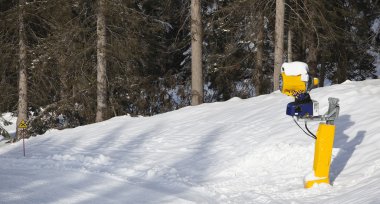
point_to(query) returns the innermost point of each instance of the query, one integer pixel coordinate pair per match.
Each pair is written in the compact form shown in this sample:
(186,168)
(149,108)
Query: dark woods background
(148,52)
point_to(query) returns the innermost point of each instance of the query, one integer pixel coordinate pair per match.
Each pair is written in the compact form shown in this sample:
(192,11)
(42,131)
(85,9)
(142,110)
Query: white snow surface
(11,129)
(295,69)
(239,151)
(376,26)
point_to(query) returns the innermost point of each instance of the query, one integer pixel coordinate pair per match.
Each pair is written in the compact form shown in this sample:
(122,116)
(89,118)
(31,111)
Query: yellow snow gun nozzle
(315,82)
(292,85)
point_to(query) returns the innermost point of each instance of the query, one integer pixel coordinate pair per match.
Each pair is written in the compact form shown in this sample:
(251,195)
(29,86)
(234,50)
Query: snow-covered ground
(239,151)
(10,126)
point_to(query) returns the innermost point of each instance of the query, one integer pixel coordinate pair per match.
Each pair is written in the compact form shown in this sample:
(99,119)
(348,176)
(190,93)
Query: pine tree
(101,63)
(196,53)
(23,76)
(279,42)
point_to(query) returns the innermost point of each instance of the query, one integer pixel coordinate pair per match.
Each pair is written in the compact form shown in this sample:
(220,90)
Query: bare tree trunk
(322,74)
(196,53)
(279,42)
(342,68)
(101,65)
(257,78)
(63,77)
(296,48)
(312,56)
(23,83)
(290,44)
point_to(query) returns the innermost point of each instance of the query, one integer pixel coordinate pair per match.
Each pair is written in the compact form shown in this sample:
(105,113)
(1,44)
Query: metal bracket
(330,116)
(333,111)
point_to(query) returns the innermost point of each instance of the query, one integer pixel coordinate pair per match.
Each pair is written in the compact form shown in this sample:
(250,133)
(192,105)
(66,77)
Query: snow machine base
(309,184)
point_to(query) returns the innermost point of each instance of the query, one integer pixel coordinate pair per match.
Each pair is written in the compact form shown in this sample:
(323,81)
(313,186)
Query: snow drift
(239,151)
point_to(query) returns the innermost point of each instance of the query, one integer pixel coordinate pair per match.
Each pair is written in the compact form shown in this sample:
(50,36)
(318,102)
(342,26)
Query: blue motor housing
(299,109)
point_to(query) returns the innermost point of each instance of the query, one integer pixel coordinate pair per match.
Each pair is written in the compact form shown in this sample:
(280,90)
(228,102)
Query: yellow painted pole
(322,155)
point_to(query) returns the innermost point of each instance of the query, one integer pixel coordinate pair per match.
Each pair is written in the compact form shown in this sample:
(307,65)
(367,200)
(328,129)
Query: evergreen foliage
(148,52)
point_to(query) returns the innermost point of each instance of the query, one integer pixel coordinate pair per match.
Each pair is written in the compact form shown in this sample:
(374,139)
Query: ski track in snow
(239,151)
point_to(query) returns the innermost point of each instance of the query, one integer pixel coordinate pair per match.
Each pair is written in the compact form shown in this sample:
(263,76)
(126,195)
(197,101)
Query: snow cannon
(295,79)
(295,82)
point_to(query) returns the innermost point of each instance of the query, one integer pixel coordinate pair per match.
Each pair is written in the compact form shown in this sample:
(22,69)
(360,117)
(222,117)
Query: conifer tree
(196,53)
(101,63)
(23,75)
(279,42)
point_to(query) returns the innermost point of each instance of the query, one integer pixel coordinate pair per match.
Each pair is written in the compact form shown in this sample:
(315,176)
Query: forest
(145,46)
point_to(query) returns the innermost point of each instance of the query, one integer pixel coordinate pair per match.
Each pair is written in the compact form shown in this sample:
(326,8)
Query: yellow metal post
(322,155)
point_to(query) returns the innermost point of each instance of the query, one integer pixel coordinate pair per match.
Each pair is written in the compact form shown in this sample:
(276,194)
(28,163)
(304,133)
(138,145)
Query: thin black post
(23,140)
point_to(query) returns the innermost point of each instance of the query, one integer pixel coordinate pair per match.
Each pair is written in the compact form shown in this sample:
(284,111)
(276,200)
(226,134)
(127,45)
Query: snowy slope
(239,151)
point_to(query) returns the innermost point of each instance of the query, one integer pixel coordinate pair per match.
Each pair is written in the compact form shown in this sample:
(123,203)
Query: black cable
(314,137)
